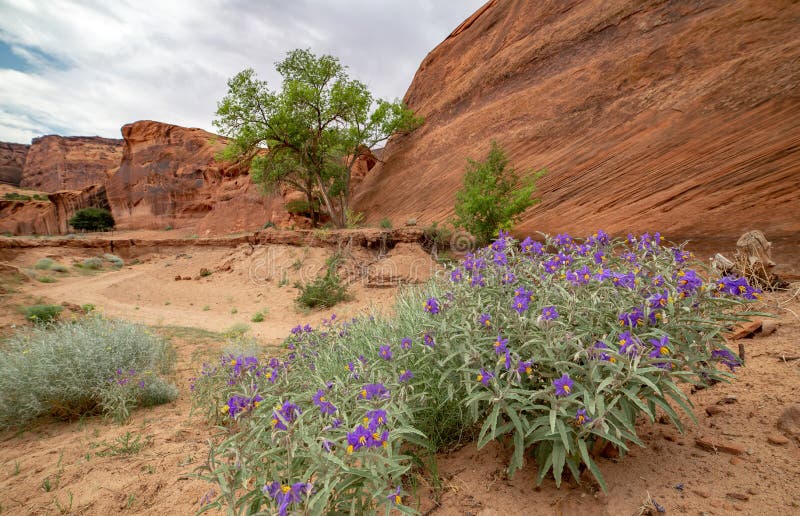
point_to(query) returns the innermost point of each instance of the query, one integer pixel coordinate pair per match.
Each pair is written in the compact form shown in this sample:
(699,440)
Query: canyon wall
(682,117)
(12,161)
(69,162)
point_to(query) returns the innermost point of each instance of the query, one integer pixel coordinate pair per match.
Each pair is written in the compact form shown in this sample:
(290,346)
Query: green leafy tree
(309,134)
(494,196)
(92,219)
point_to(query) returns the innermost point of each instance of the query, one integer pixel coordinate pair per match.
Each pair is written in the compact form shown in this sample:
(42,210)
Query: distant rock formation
(56,163)
(12,160)
(682,117)
(48,217)
(168,176)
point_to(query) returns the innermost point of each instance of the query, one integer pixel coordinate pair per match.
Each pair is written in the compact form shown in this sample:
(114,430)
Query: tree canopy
(312,130)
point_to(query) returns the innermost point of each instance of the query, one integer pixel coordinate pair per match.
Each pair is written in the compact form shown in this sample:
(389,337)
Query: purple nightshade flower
(628,344)
(659,301)
(405,343)
(405,376)
(549,313)
(580,276)
(484,376)
(584,249)
(563,239)
(395,497)
(508,278)
(660,350)
(633,318)
(688,282)
(500,258)
(525,367)
(737,287)
(297,329)
(325,406)
(386,352)
(285,495)
(359,438)
(531,247)
(521,300)
(287,413)
(727,358)
(374,419)
(374,390)
(500,345)
(477,280)
(582,418)
(428,340)
(432,305)
(456,276)
(599,257)
(552,266)
(623,280)
(630,257)
(507,362)
(563,385)
(680,255)
(603,275)
(597,353)
(485,320)
(565,259)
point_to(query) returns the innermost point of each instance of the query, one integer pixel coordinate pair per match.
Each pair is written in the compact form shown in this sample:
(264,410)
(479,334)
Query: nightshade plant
(559,348)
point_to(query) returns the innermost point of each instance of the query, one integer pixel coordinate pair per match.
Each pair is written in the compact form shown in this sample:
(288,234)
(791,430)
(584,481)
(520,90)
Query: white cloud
(96,65)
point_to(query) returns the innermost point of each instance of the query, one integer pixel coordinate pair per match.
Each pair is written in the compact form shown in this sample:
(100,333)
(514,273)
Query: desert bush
(557,346)
(257,317)
(45,279)
(92,263)
(114,260)
(15,196)
(73,368)
(386,223)
(325,291)
(43,264)
(59,267)
(92,219)
(493,196)
(436,237)
(42,313)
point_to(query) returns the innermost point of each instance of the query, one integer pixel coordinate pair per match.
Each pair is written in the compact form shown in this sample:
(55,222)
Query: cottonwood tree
(312,130)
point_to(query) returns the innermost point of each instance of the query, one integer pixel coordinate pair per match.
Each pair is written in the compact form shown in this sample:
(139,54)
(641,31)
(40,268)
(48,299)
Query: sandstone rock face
(12,159)
(682,117)
(168,176)
(49,217)
(69,162)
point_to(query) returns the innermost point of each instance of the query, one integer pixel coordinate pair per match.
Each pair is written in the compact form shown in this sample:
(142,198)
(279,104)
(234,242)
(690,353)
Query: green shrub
(93,263)
(88,307)
(236,330)
(43,264)
(115,260)
(204,272)
(386,223)
(552,348)
(69,369)
(436,237)
(323,292)
(493,196)
(14,196)
(257,317)
(43,313)
(45,279)
(92,219)
(58,267)
(40,197)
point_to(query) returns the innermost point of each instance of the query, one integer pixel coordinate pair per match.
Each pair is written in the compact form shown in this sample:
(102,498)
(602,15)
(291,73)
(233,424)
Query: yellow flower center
(286,489)
(480,377)
(363,393)
(581,419)
(398,499)
(622,342)
(233,362)
(529,369)
(274,422)
(663,350)
(487,323)
(613,360)
(362,440)
(566,388)
(350,448)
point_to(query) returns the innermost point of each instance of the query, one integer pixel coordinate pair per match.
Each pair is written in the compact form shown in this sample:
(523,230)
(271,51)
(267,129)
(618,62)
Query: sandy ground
(680,476)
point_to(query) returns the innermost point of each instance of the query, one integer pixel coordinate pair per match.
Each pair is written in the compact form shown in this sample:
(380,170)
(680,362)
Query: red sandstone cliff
(69,162)
(677,116)
(51,216)
(12,160)
(168,176)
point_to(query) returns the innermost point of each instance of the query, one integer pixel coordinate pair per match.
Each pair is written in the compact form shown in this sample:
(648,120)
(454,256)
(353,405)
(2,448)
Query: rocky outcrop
(12,160)
(49,217)
(678,116)
(56,163)
(169,177)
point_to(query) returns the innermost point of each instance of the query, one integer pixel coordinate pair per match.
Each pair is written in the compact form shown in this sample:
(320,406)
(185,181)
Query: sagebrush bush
(58,267)
(42,313)
(69,369)
(44,264)
(115,260)
(93,263)
(559,346)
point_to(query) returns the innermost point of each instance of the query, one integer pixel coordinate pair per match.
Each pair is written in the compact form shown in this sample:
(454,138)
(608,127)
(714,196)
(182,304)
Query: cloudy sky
(86,67)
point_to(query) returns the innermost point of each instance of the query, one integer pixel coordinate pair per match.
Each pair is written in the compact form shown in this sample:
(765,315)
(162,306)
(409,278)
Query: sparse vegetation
(386,223)
(72,368)
(59,267)
(204,272)
(41,314)
(45,279)
(44,264)
(115,260)
(16,196)
(325,291)
(129,443)
(257,317)
(93,263)
(92,219)
(237,330)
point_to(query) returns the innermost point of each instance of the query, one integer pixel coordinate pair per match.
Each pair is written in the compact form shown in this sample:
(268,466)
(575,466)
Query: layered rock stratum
(56,163)
(12,160)
(677,116)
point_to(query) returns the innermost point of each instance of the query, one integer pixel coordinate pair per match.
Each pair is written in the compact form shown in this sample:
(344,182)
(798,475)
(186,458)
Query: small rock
(178,277)
(777,439)
(768,327)
(727,400)
(712,410)
(738,496)
(708,445)
(735,461)
(751,491)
